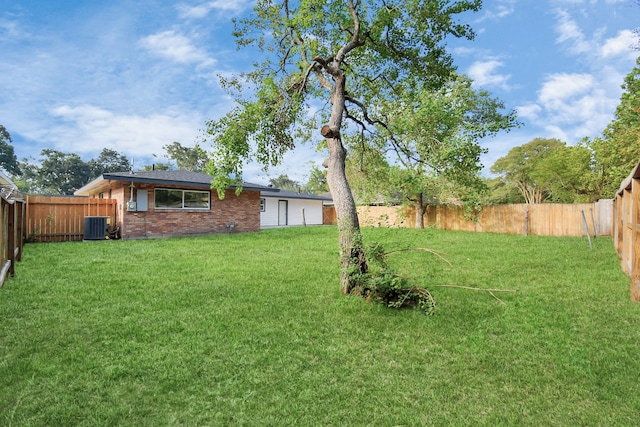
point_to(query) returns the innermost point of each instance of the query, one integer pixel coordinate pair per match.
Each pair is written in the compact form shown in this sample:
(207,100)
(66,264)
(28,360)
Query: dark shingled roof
(174,177)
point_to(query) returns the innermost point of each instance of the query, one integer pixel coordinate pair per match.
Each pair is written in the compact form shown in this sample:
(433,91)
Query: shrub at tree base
(385,286)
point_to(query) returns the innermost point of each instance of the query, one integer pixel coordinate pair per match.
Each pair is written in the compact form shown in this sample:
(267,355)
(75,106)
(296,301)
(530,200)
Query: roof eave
(85,190)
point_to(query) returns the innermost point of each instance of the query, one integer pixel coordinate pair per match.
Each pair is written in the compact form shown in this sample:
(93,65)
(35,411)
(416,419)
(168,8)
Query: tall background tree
(317,181)
(8,159)
(548,170)
(436,137)
(283,182)
(618,150)
(193,159)
(348,56)
(109,161)
(57,172)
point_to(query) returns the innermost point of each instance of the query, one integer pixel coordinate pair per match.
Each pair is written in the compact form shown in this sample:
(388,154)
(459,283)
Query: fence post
(635,239)
(586,228)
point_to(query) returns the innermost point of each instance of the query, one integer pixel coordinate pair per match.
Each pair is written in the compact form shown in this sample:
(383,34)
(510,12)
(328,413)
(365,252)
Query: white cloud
(203,9)
(562,86)
(86,129)
(570,107)
(503,9)
(175,47)
(484,73)
(621,45)
(529,111)
(569,32)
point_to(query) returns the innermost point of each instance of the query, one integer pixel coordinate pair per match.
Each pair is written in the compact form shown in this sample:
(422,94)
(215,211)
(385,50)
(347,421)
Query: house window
(263,204)
(169,198)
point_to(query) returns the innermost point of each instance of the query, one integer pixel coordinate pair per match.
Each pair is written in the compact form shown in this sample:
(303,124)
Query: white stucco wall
(312,212)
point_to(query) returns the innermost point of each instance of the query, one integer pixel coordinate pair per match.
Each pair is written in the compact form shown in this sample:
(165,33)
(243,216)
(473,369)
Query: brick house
(175,203)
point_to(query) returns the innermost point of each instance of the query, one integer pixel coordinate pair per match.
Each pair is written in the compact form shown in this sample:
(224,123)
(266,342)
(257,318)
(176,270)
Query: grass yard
(251,329)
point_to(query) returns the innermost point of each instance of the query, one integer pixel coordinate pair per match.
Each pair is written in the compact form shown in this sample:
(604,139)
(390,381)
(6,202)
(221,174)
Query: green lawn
(251,329)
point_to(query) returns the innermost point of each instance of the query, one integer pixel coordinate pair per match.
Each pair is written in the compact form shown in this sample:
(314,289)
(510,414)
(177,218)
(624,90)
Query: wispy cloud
(175,47)
(82,128)
(202,10)
(570,33)
(621,45)
(570,107)
(501,9)
(484,74)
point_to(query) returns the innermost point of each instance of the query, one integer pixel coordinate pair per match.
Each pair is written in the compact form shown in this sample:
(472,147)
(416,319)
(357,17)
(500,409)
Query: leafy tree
(8,159)
(436,141)
(283,182)
(317,182)
(158,167)
(186,158)
(368,173)
(347,55)
(109,161)
(57,172)
(524,168)
(618,151)
(500,193)
(570,175)
(549,170)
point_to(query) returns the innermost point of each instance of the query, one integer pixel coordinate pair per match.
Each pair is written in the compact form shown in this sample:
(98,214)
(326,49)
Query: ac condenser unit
(95,227)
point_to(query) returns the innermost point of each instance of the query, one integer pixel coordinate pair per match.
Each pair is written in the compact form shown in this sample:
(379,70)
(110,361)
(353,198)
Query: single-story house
(180,203)
(281,208)
(175,203)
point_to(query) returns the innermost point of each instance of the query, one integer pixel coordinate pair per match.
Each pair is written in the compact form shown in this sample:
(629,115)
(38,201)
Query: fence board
(627,229)
(11,241)
(544,219)
(59,219)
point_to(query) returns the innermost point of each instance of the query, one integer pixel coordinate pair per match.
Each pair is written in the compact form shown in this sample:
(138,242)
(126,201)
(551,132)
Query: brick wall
(243,211)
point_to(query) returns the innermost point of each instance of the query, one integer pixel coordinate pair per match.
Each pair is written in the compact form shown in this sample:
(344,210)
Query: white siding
(312,212)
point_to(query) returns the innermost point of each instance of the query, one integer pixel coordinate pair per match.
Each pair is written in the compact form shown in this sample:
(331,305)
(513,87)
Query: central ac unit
(95,227)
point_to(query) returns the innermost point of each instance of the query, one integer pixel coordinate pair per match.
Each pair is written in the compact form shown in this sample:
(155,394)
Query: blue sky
(134,75)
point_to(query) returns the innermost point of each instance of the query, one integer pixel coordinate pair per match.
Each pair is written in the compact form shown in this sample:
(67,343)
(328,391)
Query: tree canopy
(548,170)
(436,137)
(618,150)
(283,182)
(329,61)
(553,171)
(57,172)
(193,159)
(8,159)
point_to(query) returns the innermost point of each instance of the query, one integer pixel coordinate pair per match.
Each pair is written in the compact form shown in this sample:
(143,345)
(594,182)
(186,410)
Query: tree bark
(352,255)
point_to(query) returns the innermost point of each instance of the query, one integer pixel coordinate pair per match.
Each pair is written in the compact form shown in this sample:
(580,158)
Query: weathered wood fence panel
(626,235)
(61,219)
(12,215)
(544,219)
(328,215)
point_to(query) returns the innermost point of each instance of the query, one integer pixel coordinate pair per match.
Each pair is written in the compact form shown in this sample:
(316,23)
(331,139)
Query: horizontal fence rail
(545,219)
(61,219)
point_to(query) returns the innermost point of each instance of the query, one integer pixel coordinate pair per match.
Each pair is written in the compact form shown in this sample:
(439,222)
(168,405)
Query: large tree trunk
(352,255)
(419,204)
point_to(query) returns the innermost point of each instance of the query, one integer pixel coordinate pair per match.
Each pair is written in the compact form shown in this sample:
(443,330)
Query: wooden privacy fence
(12,214)
(544,219)
(61,219)
(626,236)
